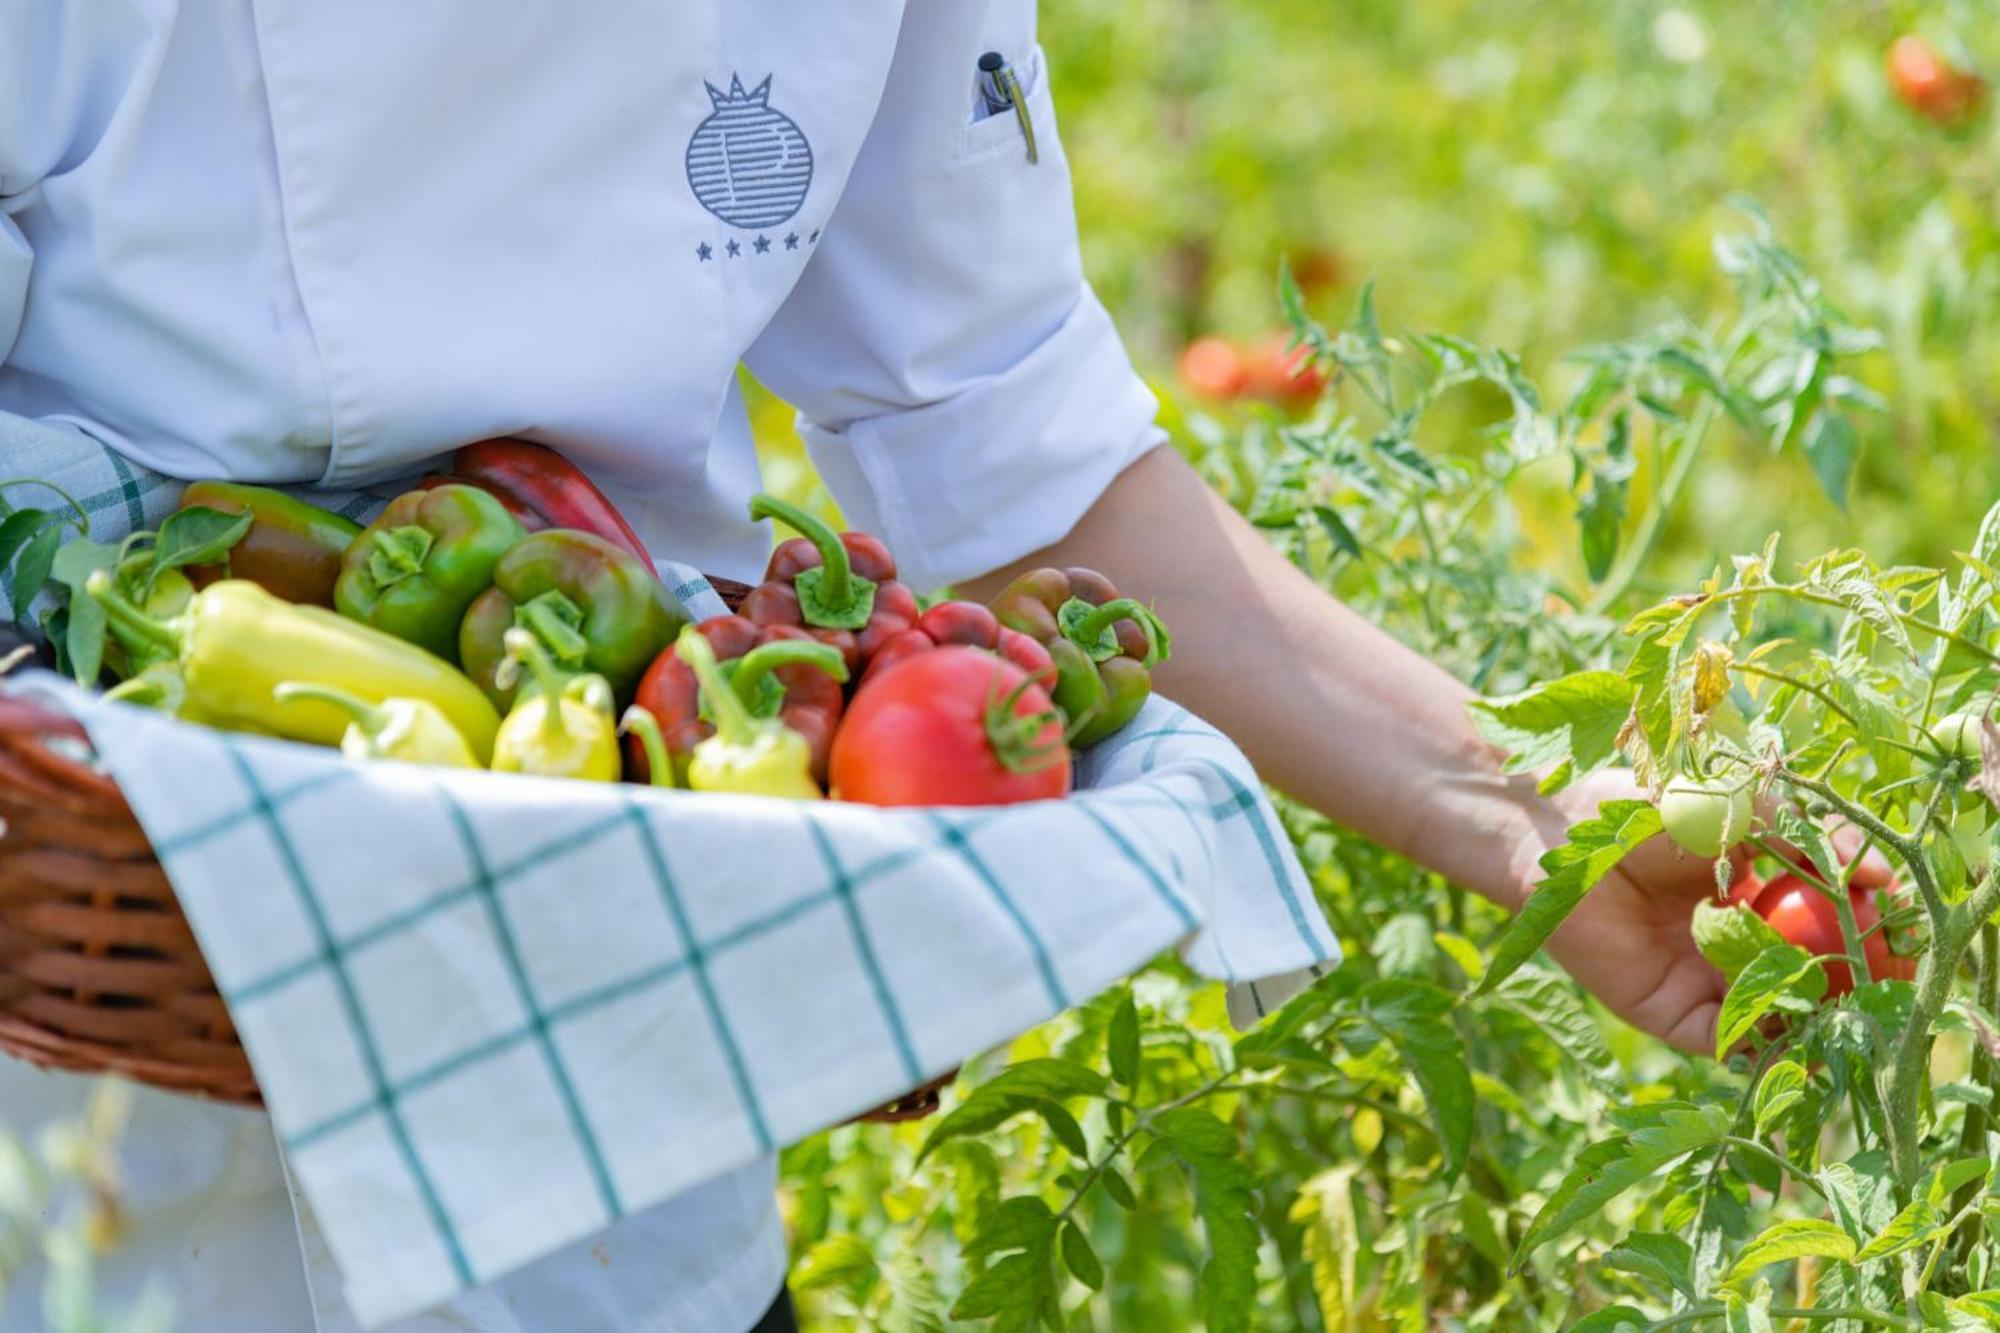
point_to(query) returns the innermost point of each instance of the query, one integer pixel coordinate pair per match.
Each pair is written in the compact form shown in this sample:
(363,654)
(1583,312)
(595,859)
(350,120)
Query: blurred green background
(1539,174)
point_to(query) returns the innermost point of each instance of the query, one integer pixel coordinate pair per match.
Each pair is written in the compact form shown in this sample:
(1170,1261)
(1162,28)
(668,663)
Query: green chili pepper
(415,570)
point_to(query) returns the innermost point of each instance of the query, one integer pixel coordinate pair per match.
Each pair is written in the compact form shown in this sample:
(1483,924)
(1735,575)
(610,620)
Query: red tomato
(1282,373)
(1213,368)
(1929,85)
(954,726)
(1804,916)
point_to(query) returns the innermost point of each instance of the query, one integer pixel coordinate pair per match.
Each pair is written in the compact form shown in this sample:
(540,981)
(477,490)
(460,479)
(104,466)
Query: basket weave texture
(99,970)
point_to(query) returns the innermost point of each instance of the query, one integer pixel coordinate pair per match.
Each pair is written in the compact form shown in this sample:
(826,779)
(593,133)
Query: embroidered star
(704,252)
(763,245)
(733,248)
(792,241)
(814,238)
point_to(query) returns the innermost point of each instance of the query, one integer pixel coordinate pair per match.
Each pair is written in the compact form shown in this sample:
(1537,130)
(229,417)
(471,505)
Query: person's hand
(1629,943)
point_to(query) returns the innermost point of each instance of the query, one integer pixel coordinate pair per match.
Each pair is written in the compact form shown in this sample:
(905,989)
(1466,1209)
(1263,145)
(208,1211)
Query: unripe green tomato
(1958,735)
(1698,816)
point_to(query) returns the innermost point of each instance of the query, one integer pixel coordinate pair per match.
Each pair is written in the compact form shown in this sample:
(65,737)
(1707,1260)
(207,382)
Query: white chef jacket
(295,241)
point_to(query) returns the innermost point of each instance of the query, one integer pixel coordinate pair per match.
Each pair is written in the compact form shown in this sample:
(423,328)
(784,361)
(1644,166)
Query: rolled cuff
(1003,467)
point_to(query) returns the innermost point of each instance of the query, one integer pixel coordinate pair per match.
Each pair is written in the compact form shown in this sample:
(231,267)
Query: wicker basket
(99,971)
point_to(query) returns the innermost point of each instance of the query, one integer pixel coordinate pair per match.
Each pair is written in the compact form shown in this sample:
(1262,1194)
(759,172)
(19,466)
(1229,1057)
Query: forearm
(1331,709)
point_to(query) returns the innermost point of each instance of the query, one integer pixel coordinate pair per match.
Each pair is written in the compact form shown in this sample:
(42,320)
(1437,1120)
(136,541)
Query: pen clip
(1012,84)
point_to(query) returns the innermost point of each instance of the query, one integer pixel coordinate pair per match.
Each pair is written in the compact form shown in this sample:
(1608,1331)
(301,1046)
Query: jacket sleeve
(67,71)
(960,387)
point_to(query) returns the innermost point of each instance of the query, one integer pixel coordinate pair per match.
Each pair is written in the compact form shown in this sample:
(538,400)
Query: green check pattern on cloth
(491,1015)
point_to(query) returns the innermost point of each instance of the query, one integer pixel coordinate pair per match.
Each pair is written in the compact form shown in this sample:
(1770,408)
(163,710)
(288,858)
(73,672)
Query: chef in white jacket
(305,242)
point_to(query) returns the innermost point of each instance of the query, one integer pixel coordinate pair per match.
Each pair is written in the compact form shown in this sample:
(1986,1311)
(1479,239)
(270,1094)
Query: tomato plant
(1804,915)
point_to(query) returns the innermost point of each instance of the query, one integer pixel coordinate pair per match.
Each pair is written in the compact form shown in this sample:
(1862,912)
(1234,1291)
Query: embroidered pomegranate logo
(748,163)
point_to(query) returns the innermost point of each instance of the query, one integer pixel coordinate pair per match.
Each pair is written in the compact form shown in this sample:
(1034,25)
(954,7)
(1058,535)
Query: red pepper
(777,670)
(839,587)
(535,481)
(968,624)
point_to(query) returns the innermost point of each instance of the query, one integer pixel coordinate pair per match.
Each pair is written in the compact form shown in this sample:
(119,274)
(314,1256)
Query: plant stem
(1908,1075)
(1665,500)
(1751,669)
(1860,1313)
(1797,1173)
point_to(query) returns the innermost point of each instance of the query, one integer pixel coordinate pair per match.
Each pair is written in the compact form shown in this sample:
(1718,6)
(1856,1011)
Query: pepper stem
(732,715)
(125,616)
(639,721)
(554,619)
(832,596)
(399,554)
(755,667)
(526,649)
(1087,627)
(372,718)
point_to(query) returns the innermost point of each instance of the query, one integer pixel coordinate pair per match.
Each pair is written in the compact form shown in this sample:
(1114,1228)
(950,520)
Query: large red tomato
(955,726)
(1929,85)
(1807,919)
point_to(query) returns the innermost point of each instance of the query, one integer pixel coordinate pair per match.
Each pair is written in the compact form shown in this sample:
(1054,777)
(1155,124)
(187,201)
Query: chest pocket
(992,134)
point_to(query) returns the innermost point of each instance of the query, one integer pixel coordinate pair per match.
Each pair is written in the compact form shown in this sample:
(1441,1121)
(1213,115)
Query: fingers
(1873,871)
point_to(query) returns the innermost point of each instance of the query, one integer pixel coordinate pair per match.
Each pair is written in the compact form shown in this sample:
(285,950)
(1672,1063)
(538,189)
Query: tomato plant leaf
(915,1304)
(1603,1171)
(1406,946)
(1024,1086)
(1782,1087)
(1918,1224)
(1831,447)
(1655,1255)
(1612,1319)
(1225,1200)
(840,1260)
(1792,1239)
(1332,1240)
(1577,717)
(1594,849)
(1731,937)
(1550,1002)
(1121,1041)
(1778,971)
(1412,1016)
(1118,1188)
(1080,1258)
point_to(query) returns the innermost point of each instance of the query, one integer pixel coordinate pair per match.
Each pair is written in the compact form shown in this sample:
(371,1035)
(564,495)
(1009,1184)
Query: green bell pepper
(594,608)
(416,570)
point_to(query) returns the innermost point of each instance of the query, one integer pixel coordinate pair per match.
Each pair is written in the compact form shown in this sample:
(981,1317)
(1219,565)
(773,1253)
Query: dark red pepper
(544,490)
(839,587)
(777,670)
(968,624)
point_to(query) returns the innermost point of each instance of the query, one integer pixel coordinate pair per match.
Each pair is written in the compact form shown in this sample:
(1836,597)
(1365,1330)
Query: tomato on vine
(1705,818)
(1808,920)
(1928,84)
